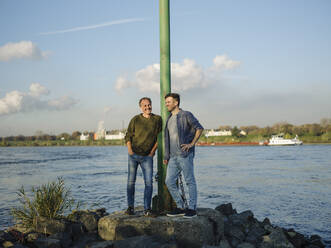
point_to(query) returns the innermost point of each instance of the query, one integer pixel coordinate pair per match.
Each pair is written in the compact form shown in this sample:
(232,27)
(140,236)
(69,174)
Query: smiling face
(171,103)
(146,107)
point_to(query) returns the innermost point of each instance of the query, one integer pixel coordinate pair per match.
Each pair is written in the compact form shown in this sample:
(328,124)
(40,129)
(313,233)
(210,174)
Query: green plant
(49,200)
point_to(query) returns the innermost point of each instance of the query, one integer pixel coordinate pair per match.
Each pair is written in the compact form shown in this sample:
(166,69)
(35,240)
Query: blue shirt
(187,125)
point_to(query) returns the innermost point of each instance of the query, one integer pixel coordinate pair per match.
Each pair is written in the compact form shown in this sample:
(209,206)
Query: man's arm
(186,147)
(128,144)
(152,153)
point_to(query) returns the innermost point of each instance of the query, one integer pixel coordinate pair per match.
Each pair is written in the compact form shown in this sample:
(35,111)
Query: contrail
(93,26)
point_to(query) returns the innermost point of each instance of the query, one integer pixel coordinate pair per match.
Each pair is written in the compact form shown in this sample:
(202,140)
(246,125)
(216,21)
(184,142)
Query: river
(289,185)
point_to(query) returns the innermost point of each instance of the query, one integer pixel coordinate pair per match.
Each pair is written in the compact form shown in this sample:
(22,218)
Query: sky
(71,65)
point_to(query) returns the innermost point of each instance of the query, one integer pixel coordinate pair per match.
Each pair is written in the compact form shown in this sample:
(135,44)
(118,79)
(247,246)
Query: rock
(101,244)
(206,228)
(226,209)
(224,244)
(316,240)
(297,239)
(276,239)
(242,219)
(89,219)
(31,237)
(245,245)
(255,234)
(144,242)
(7,244)
(43,242)
(64,238)
(50,226)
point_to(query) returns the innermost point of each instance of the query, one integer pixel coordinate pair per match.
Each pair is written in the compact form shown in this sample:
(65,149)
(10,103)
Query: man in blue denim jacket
(182,131)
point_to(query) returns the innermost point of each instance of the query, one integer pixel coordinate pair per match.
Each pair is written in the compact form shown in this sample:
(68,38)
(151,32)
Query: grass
(49,200)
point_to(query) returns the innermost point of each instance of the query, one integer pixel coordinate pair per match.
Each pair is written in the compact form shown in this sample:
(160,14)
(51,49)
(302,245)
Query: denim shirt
(187,125)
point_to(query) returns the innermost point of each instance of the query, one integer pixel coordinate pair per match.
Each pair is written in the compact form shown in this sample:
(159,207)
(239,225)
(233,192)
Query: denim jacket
(187,125)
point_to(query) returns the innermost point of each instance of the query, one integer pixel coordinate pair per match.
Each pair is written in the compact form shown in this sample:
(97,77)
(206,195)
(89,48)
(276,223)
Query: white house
(118,136)
(84,136)
(218,133)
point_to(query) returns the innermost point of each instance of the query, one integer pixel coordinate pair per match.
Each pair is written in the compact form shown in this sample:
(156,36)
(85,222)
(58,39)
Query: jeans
(176,165)
(146,164)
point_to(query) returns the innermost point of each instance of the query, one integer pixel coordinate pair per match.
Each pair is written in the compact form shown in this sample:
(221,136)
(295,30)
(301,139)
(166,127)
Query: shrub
(49,200)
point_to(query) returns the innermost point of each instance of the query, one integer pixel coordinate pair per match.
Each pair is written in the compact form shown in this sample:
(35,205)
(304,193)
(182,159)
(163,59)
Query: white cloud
(15,101)
(37,90)
(184,76)
(21,50)
(223,62)
(93,26)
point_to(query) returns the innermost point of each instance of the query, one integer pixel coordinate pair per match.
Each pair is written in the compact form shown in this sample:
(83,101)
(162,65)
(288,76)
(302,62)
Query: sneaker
(129,211)
(148,213)
(190,213)
(176,212)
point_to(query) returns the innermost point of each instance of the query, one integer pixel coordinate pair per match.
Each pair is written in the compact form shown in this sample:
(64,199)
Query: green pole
(164,201)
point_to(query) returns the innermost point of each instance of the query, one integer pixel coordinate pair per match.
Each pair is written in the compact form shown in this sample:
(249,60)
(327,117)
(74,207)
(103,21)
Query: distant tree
(315,129)
(66,136)
(75,135)
(250,129)
(235,131)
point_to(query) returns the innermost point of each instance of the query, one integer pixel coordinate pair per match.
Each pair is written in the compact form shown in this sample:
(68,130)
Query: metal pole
(164,201)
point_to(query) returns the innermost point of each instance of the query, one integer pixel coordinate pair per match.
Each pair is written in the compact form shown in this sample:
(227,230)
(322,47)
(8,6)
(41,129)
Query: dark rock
(276,239)
(47,243)
(50,226)
(101,244)
(242,219)
(245,245)
(226,209)
(144,242)
(224,244)
(316,240)
(76,230)
(266,221)
(89,219)
(64,238)
(255,234)
(297,239)
(31,237)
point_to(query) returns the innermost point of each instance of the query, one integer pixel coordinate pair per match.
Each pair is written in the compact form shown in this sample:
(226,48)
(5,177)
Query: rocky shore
(221,227)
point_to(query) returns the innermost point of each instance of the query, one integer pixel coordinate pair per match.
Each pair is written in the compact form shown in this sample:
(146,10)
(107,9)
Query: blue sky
(68,65)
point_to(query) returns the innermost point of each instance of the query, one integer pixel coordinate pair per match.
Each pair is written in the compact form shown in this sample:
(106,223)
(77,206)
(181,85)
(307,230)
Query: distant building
(218,133)
(84,136)
(118,136)
(243,133)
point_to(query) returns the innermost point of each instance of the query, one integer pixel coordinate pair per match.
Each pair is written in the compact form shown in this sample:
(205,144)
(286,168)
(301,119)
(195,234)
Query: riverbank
(221,227)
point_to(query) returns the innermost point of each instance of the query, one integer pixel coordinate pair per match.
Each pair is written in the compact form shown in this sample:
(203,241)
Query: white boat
(278,140)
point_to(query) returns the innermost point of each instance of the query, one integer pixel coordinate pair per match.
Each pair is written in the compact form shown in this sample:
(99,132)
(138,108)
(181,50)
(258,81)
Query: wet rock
(31,237)
(226,209)
(254,235)
(206,228)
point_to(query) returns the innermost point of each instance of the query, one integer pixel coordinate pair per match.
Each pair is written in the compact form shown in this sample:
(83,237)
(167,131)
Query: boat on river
(278,140)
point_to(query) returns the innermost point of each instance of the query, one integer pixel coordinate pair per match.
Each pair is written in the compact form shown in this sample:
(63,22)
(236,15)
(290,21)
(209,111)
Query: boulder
(276,239)
(50,226)
(226,209)
(207,228)
(144,242)
(43,242)
(89,218)
(245,245)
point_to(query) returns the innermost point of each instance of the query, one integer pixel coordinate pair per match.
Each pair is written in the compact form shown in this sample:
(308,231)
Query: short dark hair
(145,98)
(174,96)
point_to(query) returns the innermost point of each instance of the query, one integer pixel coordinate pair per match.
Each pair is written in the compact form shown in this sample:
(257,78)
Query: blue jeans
(176,165)
(146,164)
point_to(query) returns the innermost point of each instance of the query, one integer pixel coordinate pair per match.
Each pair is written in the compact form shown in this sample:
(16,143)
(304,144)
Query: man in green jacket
(141,140)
